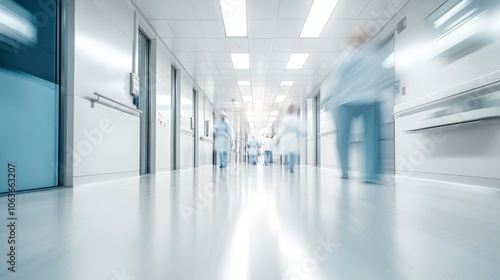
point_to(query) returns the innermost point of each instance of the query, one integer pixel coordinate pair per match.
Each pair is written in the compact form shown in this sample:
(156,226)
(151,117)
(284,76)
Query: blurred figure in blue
(267,146)
(289,136)
(253,150)
(222,138)
(351,92)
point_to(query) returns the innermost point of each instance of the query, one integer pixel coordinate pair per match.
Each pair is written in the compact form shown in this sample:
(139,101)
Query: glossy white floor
(256,222)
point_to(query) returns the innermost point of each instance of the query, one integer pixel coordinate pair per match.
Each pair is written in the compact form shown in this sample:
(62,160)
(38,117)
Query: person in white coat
(267,146)
(253,146)
(222,138)
(289,136)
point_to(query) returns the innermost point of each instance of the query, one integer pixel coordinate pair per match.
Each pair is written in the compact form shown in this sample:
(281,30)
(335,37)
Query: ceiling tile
(288,28)
(281,56)
(217,45)
(212,29)
(294,9)
(246,91)
(261,28)
(221,56)
(272,90)
(206,9)
(349,9)
(325,45)
(341,28)
(291,72)
(260,56)
(227,72)
(323,71)
(304,45)
(283,44)
(242,73)
(275,73)
(262,9)
(278,64)
(261,45)
(167,9)
(319,56)
(259,81)
(224,65)
(259,65)
(186,28)
(187,45)
(312,64)
(162,28)
(308,72)
(237,45)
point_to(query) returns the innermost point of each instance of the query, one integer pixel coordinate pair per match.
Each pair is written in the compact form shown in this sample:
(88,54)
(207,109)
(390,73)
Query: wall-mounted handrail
(332,131)
(93,100)
(206,139)
(187,132)
(455,119)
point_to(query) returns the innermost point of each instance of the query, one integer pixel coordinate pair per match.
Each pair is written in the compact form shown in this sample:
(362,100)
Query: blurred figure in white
(222,138)
(288,135)
(267,146)
(253,146)
(351,92)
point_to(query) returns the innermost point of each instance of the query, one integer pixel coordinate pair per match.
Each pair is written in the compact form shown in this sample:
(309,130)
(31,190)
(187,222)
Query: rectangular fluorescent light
(286,83)
(280,99)
(320,13)
(247,99)
(297,60)
(234,15)
(244,83)
(240,60)
(273,113)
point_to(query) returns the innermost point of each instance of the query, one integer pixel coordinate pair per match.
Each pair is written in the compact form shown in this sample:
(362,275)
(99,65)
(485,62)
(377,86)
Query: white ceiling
(194,31)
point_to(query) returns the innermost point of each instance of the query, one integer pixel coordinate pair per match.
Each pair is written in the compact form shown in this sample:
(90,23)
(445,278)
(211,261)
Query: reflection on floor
(256,222)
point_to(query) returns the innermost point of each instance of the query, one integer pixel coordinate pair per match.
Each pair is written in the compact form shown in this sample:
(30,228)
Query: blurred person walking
(267,146)
(288,135)
(352,91)
(222,138)
(253,150)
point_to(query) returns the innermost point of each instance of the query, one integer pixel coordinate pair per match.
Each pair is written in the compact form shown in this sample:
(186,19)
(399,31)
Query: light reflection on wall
(16,26)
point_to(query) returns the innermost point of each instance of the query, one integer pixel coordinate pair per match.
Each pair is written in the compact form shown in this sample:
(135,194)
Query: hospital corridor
(249,139)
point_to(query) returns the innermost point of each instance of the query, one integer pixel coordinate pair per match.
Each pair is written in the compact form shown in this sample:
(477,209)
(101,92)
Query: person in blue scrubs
(223,139)
(352,92)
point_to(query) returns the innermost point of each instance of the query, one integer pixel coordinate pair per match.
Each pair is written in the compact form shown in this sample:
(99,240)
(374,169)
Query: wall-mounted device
(135,84)
(207,128)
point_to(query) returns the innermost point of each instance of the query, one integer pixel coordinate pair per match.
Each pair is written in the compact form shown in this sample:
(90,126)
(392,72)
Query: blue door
(29,94)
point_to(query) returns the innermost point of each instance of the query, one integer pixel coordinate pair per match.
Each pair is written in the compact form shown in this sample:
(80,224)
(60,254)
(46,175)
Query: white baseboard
(92,179)
(403,176)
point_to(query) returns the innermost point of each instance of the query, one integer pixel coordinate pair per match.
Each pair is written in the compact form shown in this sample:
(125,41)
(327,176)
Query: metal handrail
(206,139)
(92,101)
(187,132)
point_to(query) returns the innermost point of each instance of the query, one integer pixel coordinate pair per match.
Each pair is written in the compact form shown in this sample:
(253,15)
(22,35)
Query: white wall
(187,140)
(106,140)
(163,100)
(205,112)
(456,153)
